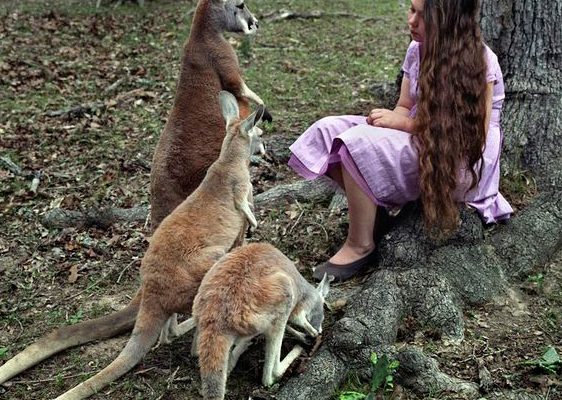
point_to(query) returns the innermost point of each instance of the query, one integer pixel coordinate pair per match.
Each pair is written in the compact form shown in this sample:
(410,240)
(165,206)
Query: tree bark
(527,37)
(432,284)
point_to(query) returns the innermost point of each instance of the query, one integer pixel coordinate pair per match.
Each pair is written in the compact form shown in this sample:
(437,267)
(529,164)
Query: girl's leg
(334,172)
(362,215)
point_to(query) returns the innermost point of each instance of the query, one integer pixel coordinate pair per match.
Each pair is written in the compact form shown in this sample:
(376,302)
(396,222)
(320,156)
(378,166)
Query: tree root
(432,283)
(316,191)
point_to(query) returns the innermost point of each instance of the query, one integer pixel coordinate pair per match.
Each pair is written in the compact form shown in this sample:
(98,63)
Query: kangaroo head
(316,313)
(237,17)
(246,129)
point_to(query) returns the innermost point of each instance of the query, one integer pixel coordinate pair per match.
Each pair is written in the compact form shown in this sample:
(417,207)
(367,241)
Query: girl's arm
(405,102)
(489,94)
(397,118)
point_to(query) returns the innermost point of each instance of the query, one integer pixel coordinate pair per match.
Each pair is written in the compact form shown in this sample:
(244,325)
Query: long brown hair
(451,109)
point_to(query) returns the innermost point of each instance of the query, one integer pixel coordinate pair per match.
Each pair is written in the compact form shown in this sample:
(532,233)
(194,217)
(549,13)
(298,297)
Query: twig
(171,378)
(87,288)
(298,219)
(142,371)
(7,163)
(324,229)
(56,377)
(21,330)
(76,111)
(35,182)
(125,269)
(113,86)
(316,345)
(281,15)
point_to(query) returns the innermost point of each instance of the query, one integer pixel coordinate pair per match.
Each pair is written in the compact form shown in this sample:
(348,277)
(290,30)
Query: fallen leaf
(73,277)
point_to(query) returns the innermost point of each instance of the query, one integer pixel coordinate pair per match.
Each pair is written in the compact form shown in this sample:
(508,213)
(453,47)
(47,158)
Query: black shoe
(343,272)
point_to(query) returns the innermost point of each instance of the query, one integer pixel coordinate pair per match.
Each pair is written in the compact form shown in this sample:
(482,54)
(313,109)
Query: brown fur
(253,290)
(193,134)
(187,243)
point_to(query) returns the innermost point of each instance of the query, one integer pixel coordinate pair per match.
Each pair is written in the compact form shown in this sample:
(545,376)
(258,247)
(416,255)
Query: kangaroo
(193,134)
(254,289)
(183,248)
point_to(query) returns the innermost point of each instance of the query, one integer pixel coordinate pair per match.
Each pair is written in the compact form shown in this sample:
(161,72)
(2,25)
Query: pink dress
(384,162)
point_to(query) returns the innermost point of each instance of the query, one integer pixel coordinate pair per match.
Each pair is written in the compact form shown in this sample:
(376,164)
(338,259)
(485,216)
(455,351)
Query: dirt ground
(120,65)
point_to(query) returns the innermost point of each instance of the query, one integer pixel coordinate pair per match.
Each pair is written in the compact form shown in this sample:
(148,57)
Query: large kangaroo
(194,131)
(253,290)
(183,248)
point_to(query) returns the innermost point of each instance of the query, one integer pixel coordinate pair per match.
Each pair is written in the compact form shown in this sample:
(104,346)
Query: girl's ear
(229,106)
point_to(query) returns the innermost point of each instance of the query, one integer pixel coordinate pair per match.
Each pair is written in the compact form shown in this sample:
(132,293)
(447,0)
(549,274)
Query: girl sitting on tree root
(441,143)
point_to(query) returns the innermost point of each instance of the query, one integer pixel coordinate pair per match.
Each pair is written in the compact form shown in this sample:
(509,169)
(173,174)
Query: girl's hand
(384,118)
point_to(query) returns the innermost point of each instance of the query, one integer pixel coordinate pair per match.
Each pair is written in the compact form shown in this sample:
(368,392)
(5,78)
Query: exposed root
(421,373)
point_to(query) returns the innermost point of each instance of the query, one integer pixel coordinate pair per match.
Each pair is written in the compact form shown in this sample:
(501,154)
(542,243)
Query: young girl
(441,143)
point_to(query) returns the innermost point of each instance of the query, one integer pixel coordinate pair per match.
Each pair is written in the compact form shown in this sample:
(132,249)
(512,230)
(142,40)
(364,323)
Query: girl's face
(415,20)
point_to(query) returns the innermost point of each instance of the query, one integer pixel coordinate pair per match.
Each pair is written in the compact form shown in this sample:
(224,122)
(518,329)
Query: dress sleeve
(409,60)
(493,70)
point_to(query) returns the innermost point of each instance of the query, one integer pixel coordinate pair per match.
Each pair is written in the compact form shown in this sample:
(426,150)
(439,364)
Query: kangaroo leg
(168,331)
(301,321)
(185,326)
(241,239)
(250,94)
(173,325)
(150,321)
(242,203)
(70,336)
(240,346)
(301,337)
(194,344)
(273,342)
(287,361)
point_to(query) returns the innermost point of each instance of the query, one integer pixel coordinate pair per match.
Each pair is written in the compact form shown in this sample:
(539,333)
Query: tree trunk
(527,37)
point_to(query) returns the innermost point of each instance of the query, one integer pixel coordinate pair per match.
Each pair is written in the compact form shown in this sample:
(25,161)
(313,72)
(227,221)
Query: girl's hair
(451,110)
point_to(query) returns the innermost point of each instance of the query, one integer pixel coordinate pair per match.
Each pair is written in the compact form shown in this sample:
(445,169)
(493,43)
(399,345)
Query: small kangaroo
(254,289)
(183,248)
(193,134)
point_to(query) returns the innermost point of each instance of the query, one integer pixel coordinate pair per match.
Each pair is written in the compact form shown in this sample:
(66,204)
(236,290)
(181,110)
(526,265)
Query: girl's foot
(349,254)
(342,272)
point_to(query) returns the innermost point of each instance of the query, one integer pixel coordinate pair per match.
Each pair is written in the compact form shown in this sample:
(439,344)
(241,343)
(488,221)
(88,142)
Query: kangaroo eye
(240,6)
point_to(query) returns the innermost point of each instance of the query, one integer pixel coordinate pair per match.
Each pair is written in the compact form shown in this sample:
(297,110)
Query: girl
(441,143)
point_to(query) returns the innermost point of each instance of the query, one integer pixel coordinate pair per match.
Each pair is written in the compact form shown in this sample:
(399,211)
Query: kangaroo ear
(252,120)
(259,114)
(324,286)
(229,106)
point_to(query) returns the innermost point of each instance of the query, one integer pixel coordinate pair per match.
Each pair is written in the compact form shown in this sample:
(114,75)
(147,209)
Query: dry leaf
(73,277)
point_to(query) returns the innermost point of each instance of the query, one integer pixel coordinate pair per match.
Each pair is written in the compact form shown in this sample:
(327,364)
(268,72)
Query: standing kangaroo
(194,131)
(183,248)
(253,290)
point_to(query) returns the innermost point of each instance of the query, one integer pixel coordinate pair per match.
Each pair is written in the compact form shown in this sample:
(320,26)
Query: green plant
(3,352)
(549,362)
(59,380)
(245,48)
(382,377)
(538,278)
(75,318)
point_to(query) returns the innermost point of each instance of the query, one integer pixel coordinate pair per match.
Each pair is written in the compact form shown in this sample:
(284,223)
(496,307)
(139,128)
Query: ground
(120,65)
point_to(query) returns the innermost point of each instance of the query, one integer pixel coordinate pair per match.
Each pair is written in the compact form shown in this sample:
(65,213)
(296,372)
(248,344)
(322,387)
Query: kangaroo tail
(70,336)
(145,334)
(214,349)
